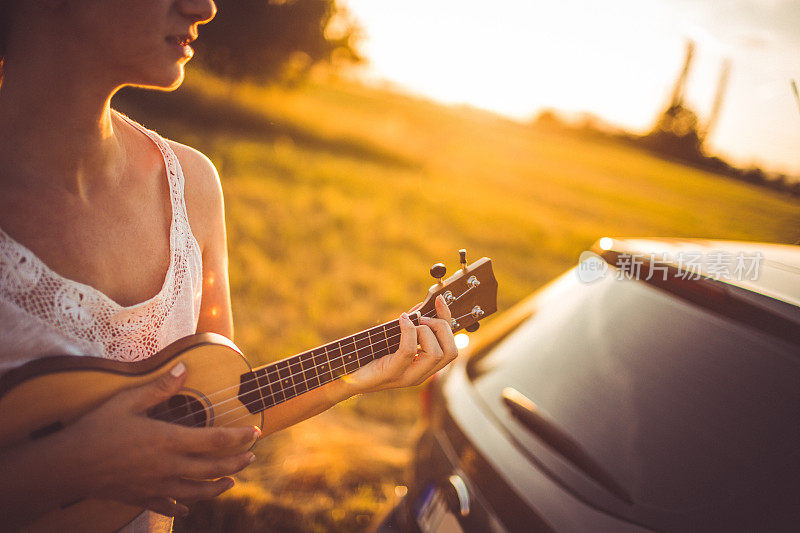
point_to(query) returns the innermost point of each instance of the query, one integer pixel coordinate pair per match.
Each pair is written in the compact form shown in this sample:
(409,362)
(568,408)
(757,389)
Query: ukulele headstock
(470,293)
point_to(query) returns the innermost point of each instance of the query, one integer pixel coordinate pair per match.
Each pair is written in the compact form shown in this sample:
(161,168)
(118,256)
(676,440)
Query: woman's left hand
(423,351)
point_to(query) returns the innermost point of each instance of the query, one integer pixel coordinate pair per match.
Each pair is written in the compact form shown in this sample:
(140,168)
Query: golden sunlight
(616,60)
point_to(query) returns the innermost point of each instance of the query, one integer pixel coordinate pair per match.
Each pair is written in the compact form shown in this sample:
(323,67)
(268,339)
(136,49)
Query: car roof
(771,269)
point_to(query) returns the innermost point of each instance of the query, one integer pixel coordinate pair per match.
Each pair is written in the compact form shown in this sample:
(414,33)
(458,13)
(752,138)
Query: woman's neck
(57,128)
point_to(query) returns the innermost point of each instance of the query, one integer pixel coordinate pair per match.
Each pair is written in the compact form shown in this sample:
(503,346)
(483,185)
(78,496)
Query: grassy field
(340,197)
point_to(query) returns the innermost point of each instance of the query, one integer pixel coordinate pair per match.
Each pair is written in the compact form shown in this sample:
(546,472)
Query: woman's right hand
(122,454)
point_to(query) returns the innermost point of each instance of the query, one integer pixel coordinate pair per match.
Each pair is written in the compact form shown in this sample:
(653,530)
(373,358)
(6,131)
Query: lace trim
(89,317)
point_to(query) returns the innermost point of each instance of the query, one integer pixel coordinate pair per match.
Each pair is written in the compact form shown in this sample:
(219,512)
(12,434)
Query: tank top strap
(173,166)
(177,183)
(187,253)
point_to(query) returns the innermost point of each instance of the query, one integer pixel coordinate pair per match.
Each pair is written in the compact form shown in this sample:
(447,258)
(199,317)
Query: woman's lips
(182,43)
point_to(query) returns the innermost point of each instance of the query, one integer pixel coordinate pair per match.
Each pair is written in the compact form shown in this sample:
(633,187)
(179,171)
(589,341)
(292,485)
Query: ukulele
(221,389)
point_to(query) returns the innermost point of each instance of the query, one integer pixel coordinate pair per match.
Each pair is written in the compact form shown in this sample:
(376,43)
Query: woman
(94,210)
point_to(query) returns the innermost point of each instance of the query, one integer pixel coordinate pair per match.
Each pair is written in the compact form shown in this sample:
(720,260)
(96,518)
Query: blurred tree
(270,40)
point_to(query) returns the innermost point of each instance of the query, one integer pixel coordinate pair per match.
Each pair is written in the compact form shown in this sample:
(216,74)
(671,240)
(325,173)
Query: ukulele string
(333,368)
(259,388)
(394,328)
(393,332)
(430,314)
(247,405)
(358,359)
(258,401)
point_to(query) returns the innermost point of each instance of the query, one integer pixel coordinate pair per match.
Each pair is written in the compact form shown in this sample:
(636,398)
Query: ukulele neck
(283,380)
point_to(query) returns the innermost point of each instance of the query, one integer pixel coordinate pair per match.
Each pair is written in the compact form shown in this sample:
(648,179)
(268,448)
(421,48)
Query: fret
(368,354)
(394,335)
(362,352)
(298,374)
(389,332)
(262,381)
(275,392)
(320,356)
(296,369)
(286,383)
(324,369)
(379,341)
(310,374)
(346,347)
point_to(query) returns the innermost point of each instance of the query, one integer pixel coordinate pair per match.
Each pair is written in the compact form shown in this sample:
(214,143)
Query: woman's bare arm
(206,211)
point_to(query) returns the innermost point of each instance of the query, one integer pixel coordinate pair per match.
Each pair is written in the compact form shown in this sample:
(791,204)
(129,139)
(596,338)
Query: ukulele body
(45,395)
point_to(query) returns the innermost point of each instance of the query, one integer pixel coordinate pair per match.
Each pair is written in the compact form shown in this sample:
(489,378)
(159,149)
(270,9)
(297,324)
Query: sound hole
(180,409)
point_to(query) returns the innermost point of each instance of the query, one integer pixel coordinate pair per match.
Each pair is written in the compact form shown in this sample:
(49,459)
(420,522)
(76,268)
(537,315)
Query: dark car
(654,387)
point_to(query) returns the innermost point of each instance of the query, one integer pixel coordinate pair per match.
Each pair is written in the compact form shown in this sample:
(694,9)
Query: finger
(430,355)
(408,337)
(397,362)
(189,490)
(166,506)
(203,468)
(444,335)
(442,309)
(391,368)
(443,362)
(450,353)
(429,344)
(212,440)
(163,387)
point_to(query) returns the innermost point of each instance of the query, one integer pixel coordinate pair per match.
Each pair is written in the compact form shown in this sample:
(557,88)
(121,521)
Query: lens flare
(462,340)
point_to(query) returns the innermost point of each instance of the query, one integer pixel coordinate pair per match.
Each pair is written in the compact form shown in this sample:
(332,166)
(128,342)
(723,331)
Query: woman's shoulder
(202,190)
(202,184)
(200,173)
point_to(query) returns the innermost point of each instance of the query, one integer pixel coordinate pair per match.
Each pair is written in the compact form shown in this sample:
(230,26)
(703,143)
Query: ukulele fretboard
(285,379)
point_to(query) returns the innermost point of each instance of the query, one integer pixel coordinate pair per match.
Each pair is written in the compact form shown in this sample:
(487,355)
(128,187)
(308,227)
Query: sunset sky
(617,59)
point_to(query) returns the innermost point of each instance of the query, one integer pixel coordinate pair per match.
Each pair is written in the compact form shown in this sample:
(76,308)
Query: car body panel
(518,482)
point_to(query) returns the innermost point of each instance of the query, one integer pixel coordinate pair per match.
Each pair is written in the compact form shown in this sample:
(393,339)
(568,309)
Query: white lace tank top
(43,313)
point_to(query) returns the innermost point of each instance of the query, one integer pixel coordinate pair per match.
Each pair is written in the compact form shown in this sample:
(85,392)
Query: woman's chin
(176,81)
(165,80)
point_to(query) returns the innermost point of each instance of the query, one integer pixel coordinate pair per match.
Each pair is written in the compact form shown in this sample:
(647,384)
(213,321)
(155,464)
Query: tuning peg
(462,255)
(438,271)
(473,327)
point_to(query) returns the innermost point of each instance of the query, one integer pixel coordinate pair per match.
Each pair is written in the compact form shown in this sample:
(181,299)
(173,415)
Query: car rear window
(682,406)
